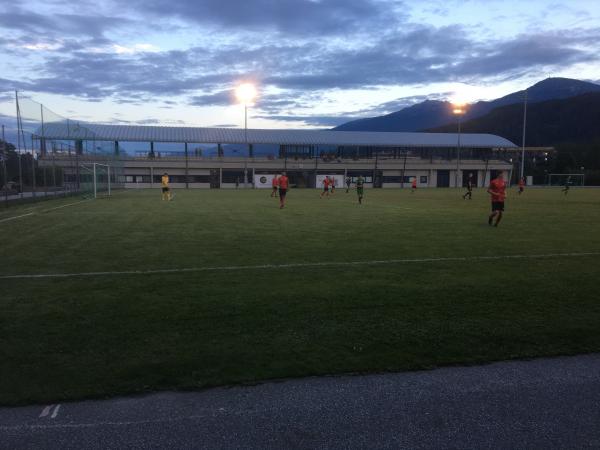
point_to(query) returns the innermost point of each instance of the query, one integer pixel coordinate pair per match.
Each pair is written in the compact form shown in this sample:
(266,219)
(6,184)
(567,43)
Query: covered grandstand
(385,159)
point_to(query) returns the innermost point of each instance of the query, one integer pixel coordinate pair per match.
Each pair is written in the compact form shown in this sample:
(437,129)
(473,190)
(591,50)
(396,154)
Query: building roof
(140,133)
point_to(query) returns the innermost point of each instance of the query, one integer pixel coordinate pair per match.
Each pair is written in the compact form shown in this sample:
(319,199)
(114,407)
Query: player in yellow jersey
(166,190)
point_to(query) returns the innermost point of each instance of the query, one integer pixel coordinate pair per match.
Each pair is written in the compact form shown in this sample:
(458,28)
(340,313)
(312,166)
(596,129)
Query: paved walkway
(545,404)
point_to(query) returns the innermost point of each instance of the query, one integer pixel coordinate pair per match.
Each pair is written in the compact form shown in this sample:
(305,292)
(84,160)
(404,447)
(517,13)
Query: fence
(29,168)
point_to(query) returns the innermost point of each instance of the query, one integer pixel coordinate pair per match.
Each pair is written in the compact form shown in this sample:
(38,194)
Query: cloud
(221,98)
(312,121)
(28,21)
(300,49)
(297,17)
(135,48)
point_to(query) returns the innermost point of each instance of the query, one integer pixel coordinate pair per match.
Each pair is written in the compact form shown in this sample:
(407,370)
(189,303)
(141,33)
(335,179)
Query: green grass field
(91,336)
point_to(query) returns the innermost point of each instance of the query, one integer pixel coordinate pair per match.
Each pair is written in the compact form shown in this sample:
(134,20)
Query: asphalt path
(544,403)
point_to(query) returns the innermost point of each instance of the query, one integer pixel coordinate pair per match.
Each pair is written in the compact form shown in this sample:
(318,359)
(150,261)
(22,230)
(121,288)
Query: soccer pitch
(221,286)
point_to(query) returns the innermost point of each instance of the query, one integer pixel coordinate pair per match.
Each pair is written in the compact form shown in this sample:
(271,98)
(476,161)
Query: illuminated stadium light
(246,93)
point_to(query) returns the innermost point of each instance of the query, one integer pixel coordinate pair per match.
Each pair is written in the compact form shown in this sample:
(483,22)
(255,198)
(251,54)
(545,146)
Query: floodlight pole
(94,174)
(246,122)
(523,141)
(4,172)
(457,152)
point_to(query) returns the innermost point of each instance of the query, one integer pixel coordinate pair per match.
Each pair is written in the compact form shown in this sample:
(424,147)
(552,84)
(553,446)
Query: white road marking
(55,413)
(15,217)
(108,423)
(297,265)
(46,411)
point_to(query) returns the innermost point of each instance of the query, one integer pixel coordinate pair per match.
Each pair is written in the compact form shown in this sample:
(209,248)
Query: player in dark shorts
(274,184)
(326,183)
(283,188)
(348,183)
(521,185)
(360,188)
(565,189)
(469,192)
(497,190)
(166,190)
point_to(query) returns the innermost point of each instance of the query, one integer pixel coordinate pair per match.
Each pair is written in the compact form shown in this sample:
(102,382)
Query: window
(423,179)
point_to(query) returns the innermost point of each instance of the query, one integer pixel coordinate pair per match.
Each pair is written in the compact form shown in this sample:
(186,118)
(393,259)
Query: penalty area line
(42,211)
(297,265)
(16,217)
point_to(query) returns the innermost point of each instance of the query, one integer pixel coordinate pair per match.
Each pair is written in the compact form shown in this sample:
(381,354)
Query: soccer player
(275,184)
(497,190)
(413,185)
(348,183)
(521,185)
(360,186)
(283,187)
(166,190)
(565,189)
(469,192)
(326,182)
(332,182)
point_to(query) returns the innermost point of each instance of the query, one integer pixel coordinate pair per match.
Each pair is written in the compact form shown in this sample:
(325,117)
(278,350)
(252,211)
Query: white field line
(16,217)
(64,206)
(297,265)
(44,210)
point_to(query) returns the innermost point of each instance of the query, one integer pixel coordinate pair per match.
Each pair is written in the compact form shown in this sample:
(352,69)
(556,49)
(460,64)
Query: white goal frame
(581,176)
(86,166)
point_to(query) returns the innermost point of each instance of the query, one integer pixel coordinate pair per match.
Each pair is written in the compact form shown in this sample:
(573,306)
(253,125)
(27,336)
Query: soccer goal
(95,180)
(562,179)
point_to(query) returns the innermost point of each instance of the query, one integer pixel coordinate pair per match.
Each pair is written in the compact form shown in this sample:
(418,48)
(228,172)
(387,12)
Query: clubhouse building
(228,158)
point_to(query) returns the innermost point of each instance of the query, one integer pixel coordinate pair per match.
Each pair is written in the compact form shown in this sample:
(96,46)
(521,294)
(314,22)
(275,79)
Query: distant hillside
(571,125)
(431,113)
(549,123)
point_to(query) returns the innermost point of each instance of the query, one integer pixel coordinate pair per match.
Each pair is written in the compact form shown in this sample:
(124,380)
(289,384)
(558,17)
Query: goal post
(95,179)
(562,179)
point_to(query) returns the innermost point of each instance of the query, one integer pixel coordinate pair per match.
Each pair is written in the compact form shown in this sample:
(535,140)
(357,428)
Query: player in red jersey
(521,185)
(497,190)
(413,185)
(326,183)
(283,187)
(275,184)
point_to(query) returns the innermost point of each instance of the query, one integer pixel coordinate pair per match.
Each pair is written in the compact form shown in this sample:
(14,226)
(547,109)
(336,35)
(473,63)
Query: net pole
(53,173)
(33,186)
(94,173)
(5,181)
(19,144)
(4,158)
(45,183)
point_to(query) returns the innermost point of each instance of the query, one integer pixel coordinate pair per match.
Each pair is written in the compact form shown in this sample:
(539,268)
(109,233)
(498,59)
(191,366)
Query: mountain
(432,113)
(427,114)
(570,125)
(549,123)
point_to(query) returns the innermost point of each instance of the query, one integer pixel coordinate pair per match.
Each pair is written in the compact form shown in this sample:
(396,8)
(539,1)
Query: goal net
(562,179)
(96,179)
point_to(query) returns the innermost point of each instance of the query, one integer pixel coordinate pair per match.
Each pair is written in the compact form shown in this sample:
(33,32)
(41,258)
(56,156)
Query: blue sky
(316,63)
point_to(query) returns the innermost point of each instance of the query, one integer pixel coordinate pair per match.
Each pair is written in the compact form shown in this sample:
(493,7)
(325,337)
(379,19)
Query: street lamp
(245,93)
(458,110)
